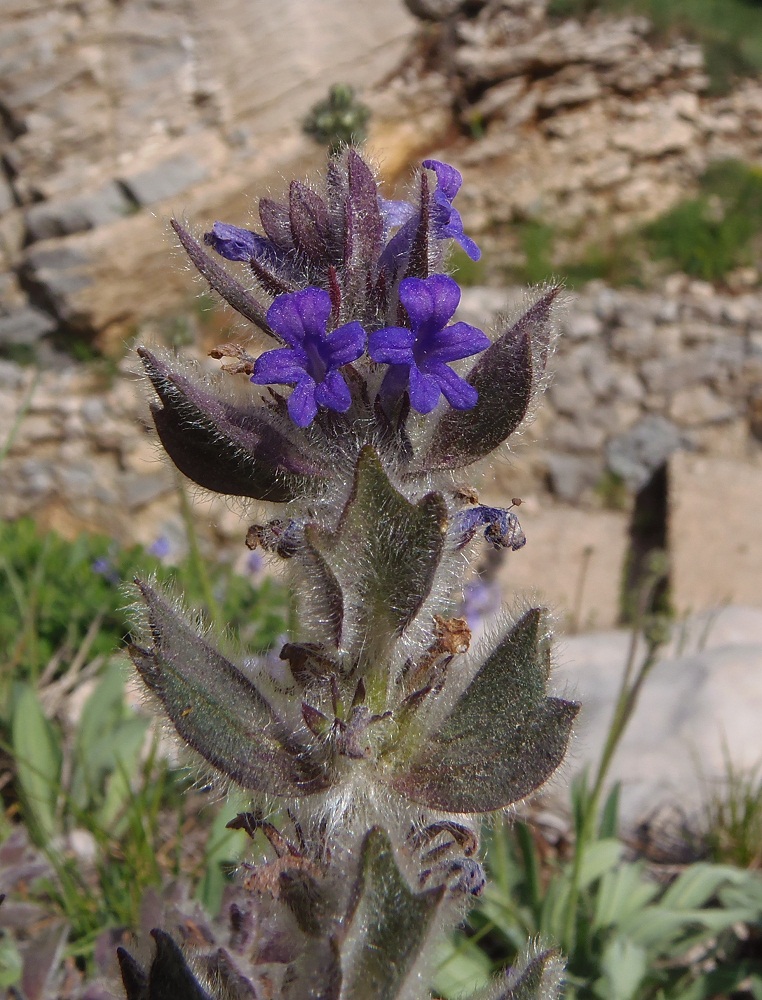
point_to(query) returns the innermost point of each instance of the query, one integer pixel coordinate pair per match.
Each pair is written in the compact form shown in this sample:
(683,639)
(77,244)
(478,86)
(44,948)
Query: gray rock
(25,326)
(571,475)
(640,451)
(581,434)
(141,490)
(566,391)
(581,325)
(699,708)
(165,180)
(55,274)
(7,201)
(698,405)
(63,217)
(11,376)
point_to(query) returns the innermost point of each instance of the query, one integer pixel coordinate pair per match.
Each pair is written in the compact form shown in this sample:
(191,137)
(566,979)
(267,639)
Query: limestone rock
(638,453)
(698,709)
(715,531)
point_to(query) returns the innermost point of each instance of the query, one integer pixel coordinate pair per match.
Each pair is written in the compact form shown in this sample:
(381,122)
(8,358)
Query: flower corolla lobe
(428,345)
(312,360)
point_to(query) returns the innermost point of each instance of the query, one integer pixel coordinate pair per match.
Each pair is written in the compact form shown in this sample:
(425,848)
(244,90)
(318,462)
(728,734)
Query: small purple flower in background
(160,547)
(312,361)
(481,600)
(446,219)
(254,563)
(105,568)
(419,356)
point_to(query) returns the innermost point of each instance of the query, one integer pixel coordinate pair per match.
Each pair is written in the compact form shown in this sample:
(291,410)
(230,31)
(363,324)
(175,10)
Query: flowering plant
(372,752)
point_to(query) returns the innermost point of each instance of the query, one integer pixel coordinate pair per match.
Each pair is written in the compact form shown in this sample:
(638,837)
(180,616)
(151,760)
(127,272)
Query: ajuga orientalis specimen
(371,755)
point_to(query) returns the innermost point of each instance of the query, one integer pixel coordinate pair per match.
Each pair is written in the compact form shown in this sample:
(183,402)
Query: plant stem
(624,708)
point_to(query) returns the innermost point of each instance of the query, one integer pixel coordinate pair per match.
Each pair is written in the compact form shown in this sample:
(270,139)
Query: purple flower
(254,563)
(312,361)
(501,527)
(446,219)
(105,568)
(395,213)
(418,357)
(239,244)
(160,548)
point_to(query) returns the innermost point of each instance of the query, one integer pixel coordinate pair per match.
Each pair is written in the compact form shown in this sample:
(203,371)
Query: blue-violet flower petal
(446,219)
(238,244)
(312,360)
(425,348)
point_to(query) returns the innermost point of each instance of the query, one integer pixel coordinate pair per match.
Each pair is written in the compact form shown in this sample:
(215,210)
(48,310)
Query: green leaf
(624,967)
(223,846)
(129,739)
(698,884)
(97,745)
(672,932)
(38,760)
(218,711)
(503,738)
(462,969)
(609,822)
(389,924)
(599,857)
(384,554)
(621,893)
(11,962)
(229,449)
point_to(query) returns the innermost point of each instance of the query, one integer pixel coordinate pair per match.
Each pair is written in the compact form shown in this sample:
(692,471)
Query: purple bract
(418,357)
(312,360)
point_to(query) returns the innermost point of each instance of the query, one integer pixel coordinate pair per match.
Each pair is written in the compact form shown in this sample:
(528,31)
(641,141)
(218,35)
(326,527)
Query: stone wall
(117,114)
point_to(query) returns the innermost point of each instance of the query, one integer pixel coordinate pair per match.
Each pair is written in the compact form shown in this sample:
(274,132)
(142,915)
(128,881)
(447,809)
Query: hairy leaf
(326,600)
(385,551)
(388,925)
(505,376)
(217,710)
(169,977)
(503,738)
(224,448)
(537,977)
